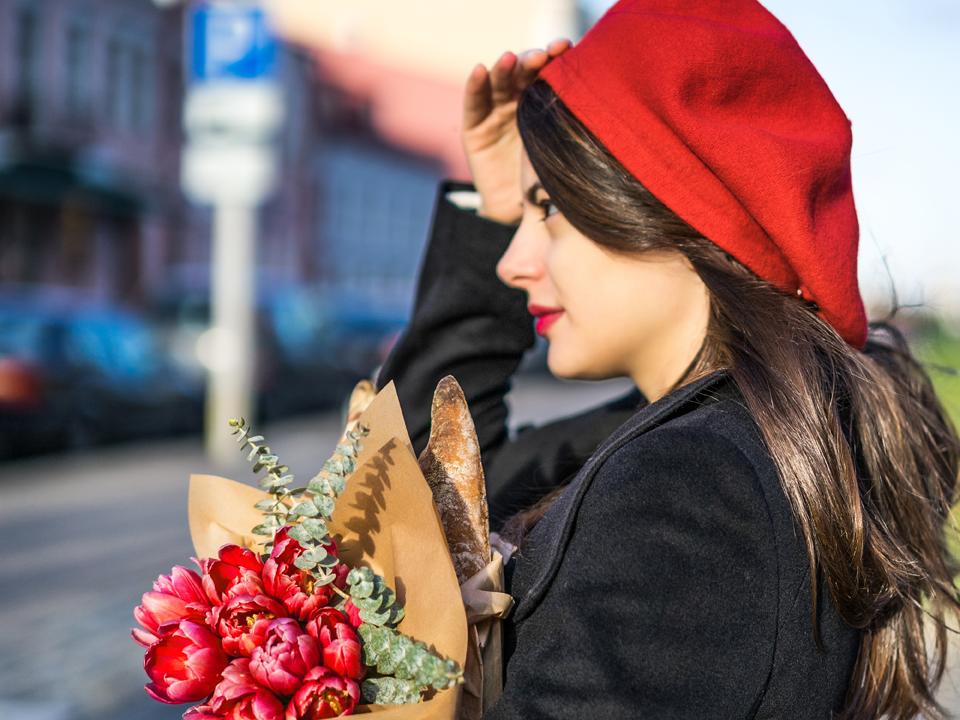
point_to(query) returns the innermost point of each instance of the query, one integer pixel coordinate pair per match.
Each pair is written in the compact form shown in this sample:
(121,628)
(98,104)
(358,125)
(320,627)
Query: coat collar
(553,533)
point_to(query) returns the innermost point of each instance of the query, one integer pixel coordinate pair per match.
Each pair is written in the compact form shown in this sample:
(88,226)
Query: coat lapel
(556,528)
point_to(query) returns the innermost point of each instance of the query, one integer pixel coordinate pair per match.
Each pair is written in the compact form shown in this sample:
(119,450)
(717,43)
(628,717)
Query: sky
(894,66)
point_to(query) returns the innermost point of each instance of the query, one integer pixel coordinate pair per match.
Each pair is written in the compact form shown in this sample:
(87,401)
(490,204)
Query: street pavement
(85,535)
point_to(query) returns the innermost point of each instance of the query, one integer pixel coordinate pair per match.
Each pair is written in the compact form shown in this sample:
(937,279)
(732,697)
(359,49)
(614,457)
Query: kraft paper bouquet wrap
(386,523)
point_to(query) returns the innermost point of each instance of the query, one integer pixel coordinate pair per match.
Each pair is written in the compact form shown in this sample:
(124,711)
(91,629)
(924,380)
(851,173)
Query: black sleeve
(665,603)
(468,324)
(465,323)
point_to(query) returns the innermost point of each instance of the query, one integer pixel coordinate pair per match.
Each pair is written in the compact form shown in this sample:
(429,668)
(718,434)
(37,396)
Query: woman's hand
(490,135)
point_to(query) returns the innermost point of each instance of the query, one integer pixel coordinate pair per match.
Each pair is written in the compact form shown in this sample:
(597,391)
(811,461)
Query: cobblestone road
(85,536)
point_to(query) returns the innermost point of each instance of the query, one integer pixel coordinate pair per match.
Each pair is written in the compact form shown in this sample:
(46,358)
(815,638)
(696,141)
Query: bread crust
(451,465)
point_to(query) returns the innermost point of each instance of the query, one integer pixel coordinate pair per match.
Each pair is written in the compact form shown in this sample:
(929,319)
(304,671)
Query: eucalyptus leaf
(325,505)
(315,554)
(346,449)
(317,527)
(304,563)
(388,660)
(366,632)
(380,639)
(369,690)
(305,509)
(338,484)
(349,465)
(370,604)
(361,590)
(320,579)
(319,485)
(375,618)
(266,504)
(330,561)
(298,532)
(360,574)
(263,529)
(333,466)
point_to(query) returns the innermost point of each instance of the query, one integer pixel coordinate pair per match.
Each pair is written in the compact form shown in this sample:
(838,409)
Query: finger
(531,62)
(501,79)
(476,97)
(558,47)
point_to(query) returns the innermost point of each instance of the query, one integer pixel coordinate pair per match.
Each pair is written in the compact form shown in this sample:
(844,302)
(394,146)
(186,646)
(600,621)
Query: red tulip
(323,695)
(291,585)
(238,697)
(287,654)
(339,641)
(243,620)
(177,596)
(185,663)
(236,572)
(286,549)
(353,614)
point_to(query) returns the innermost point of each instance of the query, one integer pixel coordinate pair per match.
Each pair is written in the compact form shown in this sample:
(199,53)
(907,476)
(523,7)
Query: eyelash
(546,206)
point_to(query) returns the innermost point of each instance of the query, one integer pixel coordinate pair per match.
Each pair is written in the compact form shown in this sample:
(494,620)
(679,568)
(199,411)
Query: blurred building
(90,137)
(389,101)
(91,96)
(89,144)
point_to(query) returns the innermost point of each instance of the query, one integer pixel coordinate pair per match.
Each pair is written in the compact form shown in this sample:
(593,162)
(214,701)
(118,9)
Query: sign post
(232,112)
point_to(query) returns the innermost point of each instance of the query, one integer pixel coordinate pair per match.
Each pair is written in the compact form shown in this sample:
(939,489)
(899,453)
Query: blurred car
(74,374)
(311,351)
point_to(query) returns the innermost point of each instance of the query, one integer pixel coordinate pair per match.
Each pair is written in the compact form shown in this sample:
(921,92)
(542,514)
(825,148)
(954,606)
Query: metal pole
(233,297)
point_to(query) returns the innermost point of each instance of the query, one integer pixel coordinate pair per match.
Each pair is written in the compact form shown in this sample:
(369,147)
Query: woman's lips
(546,317)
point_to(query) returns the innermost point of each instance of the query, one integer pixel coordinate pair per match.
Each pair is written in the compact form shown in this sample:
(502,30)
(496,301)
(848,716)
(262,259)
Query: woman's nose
(522,263)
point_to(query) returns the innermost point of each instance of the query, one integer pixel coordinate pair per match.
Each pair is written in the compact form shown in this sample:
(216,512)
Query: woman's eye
(548,208)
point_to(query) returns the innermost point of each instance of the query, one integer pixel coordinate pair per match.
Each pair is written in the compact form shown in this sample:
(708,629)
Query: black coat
(670,579)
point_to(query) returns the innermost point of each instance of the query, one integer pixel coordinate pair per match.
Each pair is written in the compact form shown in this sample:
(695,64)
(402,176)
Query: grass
(939,350)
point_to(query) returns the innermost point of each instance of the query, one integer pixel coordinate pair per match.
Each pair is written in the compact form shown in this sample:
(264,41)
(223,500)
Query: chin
(568,368)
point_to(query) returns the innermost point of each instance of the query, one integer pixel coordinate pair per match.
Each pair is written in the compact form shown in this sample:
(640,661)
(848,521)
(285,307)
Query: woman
(765,537)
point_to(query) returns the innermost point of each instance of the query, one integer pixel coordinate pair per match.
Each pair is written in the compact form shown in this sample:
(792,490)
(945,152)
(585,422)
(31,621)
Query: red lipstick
(546,317)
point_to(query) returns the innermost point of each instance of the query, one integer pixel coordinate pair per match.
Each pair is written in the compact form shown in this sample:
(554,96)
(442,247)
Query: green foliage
(307,513)
(389,691)
(414,667)
(373,597)
(939,350)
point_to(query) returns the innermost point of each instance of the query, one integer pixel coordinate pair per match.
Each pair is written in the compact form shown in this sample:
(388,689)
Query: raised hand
(490,135)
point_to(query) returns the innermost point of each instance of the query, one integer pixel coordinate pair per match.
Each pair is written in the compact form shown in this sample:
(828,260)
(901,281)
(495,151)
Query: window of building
(77,58)
(27,57)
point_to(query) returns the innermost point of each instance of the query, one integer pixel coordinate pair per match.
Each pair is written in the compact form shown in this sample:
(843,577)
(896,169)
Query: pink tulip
(287,654)
(177,596)
(323,695)
(243,620)
(339,642)
(238,697)
(185,663)
(236,572)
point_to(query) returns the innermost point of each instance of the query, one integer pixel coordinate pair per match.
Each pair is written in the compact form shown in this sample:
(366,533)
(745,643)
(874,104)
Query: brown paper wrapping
(385,520)
(486,605)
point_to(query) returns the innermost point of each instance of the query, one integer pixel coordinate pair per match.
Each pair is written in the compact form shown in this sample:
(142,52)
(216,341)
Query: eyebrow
(532,192)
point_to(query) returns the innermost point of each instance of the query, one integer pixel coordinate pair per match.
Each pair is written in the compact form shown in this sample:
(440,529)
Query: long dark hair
(866,454)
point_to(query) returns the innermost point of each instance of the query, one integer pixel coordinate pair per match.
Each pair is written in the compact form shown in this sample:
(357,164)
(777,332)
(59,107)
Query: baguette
(451,465)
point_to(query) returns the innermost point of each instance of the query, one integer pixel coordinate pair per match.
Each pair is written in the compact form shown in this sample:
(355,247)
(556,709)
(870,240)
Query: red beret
(714,108)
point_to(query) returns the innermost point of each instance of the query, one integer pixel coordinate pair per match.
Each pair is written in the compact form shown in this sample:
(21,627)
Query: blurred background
(106,266)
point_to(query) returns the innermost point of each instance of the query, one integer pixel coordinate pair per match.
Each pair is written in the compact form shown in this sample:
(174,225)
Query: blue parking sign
(230,42)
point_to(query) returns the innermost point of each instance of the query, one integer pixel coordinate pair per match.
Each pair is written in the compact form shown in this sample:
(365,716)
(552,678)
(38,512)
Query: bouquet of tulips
(279,626)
